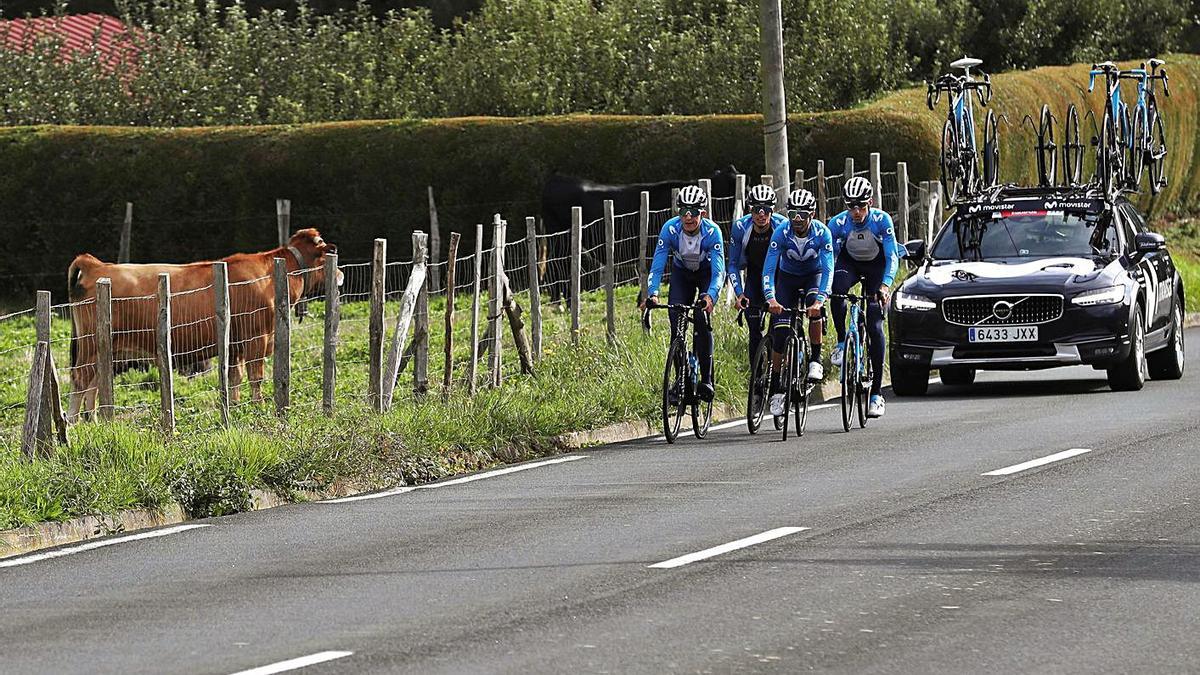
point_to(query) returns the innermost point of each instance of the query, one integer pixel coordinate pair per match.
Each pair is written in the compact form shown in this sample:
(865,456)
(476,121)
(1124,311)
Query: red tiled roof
(79,32)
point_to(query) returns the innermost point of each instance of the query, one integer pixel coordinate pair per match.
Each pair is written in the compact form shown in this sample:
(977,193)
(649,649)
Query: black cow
(561,193)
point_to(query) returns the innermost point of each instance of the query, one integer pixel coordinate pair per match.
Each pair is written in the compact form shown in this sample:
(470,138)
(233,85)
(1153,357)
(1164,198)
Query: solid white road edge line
(726,548)
(294,664)
(100,543)
(457,481)
(1016,468)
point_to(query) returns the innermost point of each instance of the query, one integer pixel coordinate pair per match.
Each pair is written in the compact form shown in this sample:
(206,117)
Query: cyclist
(865,249)
(747,252)
(799,265)
(698,266)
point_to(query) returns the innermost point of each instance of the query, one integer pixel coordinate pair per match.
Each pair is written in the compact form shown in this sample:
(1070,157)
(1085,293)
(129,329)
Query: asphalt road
(912,560)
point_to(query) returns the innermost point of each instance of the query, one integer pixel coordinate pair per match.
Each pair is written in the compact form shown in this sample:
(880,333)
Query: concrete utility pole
(774,109)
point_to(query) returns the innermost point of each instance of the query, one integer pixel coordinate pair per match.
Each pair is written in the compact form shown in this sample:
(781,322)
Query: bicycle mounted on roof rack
(961,173)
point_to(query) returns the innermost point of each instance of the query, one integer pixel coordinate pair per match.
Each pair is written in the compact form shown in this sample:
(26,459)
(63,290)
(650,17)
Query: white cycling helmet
(760,195)
(857,190)
(802,200)
(691,197)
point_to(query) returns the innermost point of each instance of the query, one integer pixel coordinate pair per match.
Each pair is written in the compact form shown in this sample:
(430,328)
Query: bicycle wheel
(991,151)
(673,394)
(801,404)
(702,414)
(1047,158)
(759,389)
(1158,153)
(1108,154)
(849,376)
(1072,149)
(862,387)
(951,165)
(1139,149)
(789,379)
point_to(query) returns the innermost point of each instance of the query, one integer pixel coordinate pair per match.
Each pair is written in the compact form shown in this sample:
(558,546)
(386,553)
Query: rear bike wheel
(788,379)
(702,413)
(1139,149)
(1072,149)
(1158,153)
(674,391)
(801,403)
(1047,159)
(952,174)
(849,376)
(759,388)
(862,389)
(1108,154)
(991,151)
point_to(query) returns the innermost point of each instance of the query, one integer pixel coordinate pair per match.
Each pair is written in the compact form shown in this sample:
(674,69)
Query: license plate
(1003,334)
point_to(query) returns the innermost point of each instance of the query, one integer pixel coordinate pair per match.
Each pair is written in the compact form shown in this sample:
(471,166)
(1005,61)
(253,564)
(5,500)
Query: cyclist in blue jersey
(799,265)
(694,244)
(865,249)
(748,246)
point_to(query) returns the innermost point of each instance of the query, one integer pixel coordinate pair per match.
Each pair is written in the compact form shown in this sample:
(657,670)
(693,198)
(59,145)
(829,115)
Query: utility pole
(774,109)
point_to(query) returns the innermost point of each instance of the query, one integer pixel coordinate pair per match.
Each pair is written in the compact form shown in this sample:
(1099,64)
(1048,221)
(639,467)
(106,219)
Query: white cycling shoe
(875,407)
(835,357)
(777,405)
(816,372)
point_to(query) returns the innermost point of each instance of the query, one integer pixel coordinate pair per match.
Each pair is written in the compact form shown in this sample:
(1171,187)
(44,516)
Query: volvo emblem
(1002,309)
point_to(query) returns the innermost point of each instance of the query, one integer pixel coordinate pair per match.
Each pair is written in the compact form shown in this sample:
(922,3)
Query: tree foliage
(209,62)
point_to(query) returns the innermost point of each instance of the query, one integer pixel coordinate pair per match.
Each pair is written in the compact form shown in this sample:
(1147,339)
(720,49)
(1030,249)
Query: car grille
(1024,310)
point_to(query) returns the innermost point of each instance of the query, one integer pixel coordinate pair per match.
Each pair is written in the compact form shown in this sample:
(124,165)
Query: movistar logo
(976,208)
(1053,204)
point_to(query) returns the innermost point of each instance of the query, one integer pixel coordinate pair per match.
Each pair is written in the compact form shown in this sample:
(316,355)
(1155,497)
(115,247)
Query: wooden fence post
(822,193)
(706,187)
(535,289)
(408,304)
(281,364)
(473,366)
(166,375)
(739,195)
(451,278)
(333,316)
(34,397)
(576,268)
(848,170)
(799,180)
(876,179)
(126,234)
(42,320)
(283,220)
(375,326)
(643,240)
(922,206)
(421,316)
(104,352)
(610,271)
(674,201)
(435,247)
(494,302)
(937,207)
(220,274)
(902,203)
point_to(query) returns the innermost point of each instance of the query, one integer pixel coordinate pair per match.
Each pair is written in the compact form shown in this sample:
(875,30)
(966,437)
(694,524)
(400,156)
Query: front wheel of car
(909,380)
(1129,374)
(1167,363)
(958,376)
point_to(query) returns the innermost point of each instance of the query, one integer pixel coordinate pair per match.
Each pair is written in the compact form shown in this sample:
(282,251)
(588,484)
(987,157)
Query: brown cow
(193,325)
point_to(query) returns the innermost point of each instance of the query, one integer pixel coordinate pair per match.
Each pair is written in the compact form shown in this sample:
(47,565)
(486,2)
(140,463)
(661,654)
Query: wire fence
(137,383)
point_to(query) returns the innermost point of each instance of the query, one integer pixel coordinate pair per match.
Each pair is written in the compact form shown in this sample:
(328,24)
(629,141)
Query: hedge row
(201,192)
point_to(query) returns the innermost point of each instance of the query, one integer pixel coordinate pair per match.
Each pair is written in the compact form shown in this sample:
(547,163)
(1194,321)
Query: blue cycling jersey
(866,241)
(689,252)
(742,228)
(801,256)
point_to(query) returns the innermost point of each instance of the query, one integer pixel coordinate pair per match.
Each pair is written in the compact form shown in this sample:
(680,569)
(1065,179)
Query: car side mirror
(914,252)
(1149,242)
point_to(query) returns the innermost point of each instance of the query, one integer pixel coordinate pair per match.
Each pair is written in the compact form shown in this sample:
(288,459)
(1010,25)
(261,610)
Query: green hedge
(202,192)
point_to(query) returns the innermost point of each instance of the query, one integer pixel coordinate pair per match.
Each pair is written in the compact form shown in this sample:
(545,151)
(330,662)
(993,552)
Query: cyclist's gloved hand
(743,302)
(649,302)
(774,307)
(708,303)
(884,294)
(814,310)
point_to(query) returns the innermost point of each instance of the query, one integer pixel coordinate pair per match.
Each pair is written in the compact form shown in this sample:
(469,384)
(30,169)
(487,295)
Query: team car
(1030,278)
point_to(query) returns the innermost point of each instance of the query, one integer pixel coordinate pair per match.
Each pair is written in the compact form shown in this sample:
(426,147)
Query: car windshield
(1027,234)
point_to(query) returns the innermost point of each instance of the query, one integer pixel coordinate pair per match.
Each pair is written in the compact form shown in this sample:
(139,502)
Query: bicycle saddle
(1154,63)
(966,62)
(1107,65)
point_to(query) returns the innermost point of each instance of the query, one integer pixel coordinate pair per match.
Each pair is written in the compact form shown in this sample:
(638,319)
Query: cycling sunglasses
(858,204)
(760,208)
(691,211)
(794,214)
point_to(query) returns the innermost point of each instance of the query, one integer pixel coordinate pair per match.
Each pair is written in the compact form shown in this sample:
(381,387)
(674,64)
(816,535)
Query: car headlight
(911,302)
(1100,296)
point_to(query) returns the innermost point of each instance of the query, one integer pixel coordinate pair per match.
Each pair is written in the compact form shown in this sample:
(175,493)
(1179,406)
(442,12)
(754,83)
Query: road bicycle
(960,163)
(758,388)
(857,371)
(793,368)
(681,376)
